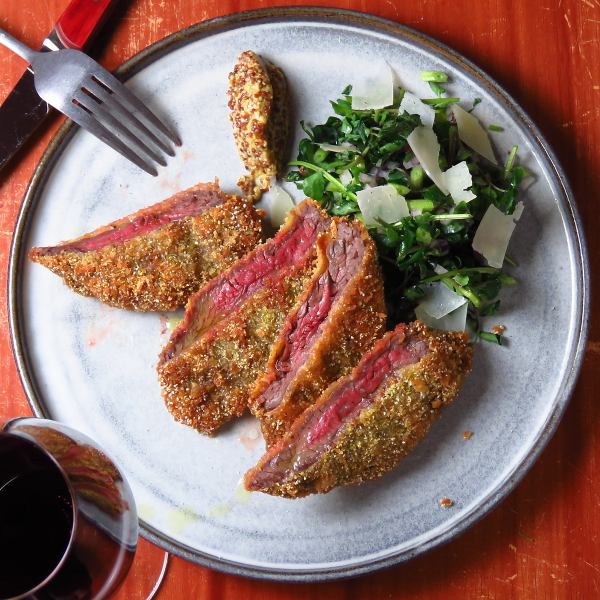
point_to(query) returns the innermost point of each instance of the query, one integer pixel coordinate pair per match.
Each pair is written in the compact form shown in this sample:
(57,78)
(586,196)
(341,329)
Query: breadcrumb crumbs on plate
(467,435)
(446,502)
(498,329)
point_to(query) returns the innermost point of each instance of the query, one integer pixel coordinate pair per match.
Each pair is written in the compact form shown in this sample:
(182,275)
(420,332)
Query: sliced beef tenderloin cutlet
(215,355)
(365,423)
(339,318)
(229,290)
(154,259)
(209,382)
(258,101)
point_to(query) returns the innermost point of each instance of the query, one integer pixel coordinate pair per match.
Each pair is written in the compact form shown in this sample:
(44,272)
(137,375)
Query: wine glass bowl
(71,510)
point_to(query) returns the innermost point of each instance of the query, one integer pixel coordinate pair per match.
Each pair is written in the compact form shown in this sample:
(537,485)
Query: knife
(23,110)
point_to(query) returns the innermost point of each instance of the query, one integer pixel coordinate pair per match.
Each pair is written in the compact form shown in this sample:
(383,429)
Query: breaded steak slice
(210,365)
(340,316)
(229,290)
(367,422)
(209,382)
(156,258)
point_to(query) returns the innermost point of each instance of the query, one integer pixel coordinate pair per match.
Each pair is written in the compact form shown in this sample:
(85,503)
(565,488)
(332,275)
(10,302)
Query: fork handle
(17,47)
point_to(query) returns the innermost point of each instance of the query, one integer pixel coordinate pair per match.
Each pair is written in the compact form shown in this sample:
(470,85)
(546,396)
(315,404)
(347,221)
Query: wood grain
(543,541)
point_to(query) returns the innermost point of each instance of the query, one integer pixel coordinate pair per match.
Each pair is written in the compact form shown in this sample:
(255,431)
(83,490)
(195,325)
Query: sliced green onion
(423,236)
(495,128)
(510,161)
(420,204)
(453,273)
(320,155)
(439,102)
(417,175)
(452,217)
(401,189)
(435,76)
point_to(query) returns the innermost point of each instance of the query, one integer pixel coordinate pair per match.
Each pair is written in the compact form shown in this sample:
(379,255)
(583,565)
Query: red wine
(36,516)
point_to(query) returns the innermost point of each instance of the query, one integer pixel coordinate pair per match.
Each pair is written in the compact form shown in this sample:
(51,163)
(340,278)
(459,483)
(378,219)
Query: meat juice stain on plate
(187,155)
(97,333)
(250,436)
(173,184)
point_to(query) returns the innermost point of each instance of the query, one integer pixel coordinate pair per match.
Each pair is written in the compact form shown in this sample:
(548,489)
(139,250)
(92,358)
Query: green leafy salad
(422,175)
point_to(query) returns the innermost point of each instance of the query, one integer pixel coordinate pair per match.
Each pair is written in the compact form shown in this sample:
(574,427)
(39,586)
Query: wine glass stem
(161,577)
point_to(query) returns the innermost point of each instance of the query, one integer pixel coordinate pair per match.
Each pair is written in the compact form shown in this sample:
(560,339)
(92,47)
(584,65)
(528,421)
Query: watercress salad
(356,150)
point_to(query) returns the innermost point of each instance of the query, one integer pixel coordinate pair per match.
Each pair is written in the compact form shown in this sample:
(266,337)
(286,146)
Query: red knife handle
(79,21)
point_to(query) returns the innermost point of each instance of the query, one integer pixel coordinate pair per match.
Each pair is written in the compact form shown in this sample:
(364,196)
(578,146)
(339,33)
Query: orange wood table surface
(544,540)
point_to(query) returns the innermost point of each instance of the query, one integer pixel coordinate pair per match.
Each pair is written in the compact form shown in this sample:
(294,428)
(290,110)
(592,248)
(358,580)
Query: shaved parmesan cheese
(441,308)
(424,143)
(458,179)
(334,148)
(382,202)
(453,321)
(493,234)
(473,134)
(440,300)
(518,211)
(346,177)
(375,89)
(278,204)
(413,106)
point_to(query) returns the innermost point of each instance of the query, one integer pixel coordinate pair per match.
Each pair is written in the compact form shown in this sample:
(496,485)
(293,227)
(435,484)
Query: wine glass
(67,515)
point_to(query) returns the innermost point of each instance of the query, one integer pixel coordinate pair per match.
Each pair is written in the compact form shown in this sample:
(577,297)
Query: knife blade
(24,111)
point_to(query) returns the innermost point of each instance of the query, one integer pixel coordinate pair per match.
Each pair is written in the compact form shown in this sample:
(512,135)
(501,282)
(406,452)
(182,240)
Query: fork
(80,88)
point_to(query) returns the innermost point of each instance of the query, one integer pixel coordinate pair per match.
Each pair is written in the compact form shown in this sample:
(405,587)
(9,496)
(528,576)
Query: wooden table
(544,540)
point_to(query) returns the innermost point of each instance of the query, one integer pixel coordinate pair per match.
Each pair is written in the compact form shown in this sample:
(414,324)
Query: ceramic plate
(92,367)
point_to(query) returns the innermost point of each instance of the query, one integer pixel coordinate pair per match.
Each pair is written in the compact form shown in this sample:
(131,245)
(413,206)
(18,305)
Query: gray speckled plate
(92,367)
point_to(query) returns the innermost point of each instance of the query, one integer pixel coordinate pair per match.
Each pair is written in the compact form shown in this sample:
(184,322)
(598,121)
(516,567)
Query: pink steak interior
(229,290)
(183,205)
(344,256)
(317,429)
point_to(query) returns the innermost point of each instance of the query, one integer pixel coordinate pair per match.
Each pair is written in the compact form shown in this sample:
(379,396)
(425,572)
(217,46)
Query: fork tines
(111,112)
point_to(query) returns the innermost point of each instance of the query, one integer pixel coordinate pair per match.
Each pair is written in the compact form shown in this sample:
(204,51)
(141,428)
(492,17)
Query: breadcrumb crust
(159,270)
(382,434)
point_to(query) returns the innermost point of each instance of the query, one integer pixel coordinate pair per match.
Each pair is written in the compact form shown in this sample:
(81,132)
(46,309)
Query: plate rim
(565,199)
